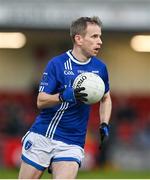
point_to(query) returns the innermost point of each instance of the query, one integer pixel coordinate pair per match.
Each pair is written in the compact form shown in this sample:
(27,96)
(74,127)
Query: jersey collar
(75,60)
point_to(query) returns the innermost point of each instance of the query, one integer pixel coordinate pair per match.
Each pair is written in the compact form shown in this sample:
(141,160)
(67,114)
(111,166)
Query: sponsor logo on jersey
(96,72)
(81,71)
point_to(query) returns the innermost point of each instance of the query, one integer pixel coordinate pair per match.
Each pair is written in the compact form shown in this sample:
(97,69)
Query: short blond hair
(79,26)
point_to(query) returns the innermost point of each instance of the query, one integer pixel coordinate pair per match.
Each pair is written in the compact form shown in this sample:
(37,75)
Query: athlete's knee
(29,172)
(64,170)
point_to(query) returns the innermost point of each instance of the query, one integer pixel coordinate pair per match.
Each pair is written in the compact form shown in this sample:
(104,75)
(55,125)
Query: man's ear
(78,39)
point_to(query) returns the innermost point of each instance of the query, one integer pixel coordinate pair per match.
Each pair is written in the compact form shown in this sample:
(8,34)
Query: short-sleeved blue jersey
(66,122)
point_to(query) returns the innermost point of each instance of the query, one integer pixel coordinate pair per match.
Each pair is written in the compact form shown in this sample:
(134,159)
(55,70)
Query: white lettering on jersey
(68,68)
(67,72)
(96,72)
(81,71)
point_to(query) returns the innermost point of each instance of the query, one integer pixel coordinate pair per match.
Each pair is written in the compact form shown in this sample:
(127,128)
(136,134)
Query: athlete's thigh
(64,169)
(36,152)
(29,172)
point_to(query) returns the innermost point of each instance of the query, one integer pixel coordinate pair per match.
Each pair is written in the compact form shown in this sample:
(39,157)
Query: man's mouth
(97,49)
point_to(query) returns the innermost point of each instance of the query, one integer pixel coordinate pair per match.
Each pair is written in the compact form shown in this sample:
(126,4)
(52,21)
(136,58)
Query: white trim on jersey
(41,88)
(65,64)
(68,65)
(75,60)
(55,120)
(52,132)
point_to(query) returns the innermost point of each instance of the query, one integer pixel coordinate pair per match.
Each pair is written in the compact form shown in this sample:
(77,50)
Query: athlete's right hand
(73,95)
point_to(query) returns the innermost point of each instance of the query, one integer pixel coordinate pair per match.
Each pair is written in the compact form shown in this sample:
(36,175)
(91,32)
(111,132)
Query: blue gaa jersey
(66,122)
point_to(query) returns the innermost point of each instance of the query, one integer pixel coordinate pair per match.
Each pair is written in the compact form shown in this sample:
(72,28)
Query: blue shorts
(40,151)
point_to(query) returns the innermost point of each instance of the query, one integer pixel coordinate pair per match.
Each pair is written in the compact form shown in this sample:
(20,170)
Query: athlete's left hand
(104,132)
(79,95)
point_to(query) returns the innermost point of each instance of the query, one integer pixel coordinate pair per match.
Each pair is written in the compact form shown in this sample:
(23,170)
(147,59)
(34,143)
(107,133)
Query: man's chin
(95,54)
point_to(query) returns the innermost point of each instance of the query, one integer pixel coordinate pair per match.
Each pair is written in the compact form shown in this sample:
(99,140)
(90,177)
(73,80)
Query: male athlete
(57,136)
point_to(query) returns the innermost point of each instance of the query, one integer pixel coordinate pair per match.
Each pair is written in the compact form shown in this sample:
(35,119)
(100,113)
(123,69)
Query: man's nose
(100,41)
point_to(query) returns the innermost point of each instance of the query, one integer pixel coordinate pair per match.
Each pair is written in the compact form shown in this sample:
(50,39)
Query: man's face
(91,42)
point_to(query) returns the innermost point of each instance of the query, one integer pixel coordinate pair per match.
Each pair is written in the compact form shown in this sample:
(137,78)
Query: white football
(93,84)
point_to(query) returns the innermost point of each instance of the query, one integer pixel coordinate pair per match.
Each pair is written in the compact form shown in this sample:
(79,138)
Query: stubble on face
(91,40)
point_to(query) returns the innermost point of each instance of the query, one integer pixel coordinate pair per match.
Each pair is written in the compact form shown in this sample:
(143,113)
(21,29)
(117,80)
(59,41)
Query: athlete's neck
(79,55)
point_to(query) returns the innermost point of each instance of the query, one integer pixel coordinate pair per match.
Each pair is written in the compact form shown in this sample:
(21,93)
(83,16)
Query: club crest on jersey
(28,145)
(68,72)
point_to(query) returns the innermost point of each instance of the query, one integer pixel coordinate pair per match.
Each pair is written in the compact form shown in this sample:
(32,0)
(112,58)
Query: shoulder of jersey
(98,61)
(60,58)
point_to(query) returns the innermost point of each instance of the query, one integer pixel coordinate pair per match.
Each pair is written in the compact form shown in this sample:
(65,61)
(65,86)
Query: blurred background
(33,31)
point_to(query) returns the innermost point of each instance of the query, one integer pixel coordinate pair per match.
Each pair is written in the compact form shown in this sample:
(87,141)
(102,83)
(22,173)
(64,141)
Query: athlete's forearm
(105,108)
(45,100)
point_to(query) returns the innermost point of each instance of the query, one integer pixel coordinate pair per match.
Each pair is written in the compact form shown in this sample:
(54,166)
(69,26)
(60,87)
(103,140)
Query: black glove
(104,133)
(80,96)
(73,95)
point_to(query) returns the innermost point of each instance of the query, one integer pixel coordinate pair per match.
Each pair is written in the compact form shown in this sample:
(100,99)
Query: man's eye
(95,36)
